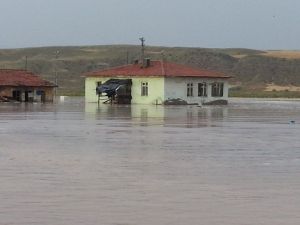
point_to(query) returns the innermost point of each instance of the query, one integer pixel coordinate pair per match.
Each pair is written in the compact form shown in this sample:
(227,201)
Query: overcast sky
(259,24)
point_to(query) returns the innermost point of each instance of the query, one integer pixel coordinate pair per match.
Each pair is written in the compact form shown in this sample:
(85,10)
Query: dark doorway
(43,96)
(17,95)
(28,96)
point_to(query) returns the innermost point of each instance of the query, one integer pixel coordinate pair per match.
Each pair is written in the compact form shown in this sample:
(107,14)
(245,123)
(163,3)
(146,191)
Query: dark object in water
(117,90)
(3,99)
(175,101)
(216,102)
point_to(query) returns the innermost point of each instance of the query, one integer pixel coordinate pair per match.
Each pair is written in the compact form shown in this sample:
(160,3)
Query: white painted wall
(90,88)
(176,87)
(159,89)
(155,90)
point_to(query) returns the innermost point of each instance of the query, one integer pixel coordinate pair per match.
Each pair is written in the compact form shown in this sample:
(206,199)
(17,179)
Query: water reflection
(76,163)
(181,116)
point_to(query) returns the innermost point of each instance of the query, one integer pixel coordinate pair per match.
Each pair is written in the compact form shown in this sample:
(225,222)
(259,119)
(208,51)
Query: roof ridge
(13,77)
(158,68)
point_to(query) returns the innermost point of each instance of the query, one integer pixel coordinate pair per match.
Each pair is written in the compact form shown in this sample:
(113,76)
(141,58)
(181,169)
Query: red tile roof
(10,77)
(157,68)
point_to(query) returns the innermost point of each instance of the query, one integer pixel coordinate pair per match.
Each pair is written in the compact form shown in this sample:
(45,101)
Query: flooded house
(24,86)
(156,82)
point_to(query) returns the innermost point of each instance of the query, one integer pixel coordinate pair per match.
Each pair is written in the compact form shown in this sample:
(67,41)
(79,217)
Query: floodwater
(74,163)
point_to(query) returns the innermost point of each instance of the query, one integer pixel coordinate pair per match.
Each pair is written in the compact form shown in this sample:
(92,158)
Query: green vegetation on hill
(251,69)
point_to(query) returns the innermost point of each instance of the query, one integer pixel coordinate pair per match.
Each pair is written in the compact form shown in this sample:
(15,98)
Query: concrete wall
(49,91)
(6,91)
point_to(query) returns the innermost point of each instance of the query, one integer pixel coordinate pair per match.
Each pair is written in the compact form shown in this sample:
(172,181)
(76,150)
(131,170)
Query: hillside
(253,71)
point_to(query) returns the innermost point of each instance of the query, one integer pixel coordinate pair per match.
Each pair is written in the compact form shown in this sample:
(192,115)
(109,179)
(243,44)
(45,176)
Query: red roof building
(17,78)
(159,69)
(158,82)
(22,85)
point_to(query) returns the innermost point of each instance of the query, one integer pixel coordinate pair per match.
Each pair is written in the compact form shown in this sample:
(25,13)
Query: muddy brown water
(74,163)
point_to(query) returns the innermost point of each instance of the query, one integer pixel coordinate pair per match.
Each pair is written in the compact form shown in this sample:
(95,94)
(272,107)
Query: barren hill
(253,70)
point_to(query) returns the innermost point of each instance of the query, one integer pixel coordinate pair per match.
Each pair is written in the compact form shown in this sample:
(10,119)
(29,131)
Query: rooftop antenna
(162,54)
(127,57)
(142,50)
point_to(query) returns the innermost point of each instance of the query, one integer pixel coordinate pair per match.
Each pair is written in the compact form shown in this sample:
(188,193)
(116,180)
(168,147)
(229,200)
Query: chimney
(147,62)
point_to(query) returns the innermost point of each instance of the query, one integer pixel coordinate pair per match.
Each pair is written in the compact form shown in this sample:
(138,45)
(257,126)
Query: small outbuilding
(156,82)
(24,86)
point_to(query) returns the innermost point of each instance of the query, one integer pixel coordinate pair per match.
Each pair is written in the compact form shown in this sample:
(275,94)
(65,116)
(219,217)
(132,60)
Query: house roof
(157,68)
(11,77)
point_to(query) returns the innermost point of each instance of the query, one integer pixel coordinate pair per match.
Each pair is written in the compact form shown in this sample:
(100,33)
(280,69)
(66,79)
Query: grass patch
(283,54)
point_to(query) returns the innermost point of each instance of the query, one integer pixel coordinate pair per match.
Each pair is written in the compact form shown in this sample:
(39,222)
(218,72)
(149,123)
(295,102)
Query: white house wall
(159,89)
(176,87)
(155,90)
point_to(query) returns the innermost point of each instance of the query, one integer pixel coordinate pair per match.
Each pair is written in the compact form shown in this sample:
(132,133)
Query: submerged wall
(155,89)
(31,94)
(160,89)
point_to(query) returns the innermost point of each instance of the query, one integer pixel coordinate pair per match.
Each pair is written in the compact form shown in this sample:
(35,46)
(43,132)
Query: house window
(189,90)
(217,89)
(144,88)
(202,89)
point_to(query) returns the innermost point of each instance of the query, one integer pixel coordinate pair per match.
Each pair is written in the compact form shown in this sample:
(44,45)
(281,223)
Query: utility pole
(56,73)
(143,50)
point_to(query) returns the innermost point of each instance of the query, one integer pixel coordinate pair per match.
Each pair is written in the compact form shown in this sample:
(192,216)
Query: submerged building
(24,86)
(156,82)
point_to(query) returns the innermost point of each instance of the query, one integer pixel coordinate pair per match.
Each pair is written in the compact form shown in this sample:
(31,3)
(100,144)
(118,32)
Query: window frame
(202,91)
(144,88)
(190,89)
(217,89)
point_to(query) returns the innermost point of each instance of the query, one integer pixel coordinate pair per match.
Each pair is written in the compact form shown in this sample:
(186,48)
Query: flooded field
(75,163)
